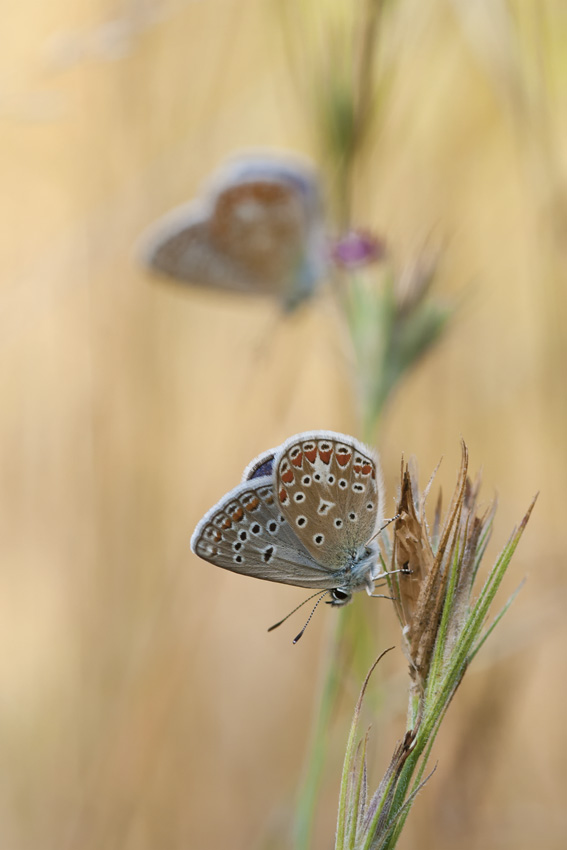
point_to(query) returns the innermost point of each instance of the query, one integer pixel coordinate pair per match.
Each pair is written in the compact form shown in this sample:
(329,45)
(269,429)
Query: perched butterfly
(257,228)
(306,513)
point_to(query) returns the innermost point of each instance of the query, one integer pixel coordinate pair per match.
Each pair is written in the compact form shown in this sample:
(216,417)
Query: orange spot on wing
(357,468)
(238,514)
(283,495)
(343,458)
(366,469)
(253,504)
(287,477)
(218,537)
(227,523)
(311,455)
(325,456)
(298,459)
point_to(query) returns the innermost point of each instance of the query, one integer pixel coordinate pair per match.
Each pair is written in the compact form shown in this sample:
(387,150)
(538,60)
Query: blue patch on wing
(265,468)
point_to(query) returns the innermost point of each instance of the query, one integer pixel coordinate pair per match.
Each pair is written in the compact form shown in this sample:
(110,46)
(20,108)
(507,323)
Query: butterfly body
(305,514)
(256,229)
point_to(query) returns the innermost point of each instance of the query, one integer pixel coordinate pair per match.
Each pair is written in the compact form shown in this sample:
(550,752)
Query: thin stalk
(307,797)
(495,622)
(439,652)
(349,755)
(421,770)
(356,797)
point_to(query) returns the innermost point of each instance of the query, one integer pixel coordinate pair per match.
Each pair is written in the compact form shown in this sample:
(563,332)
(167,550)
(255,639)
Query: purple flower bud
(358,248)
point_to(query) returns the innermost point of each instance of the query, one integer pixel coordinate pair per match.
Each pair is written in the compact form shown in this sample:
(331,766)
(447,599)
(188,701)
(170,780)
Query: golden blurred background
(142,704)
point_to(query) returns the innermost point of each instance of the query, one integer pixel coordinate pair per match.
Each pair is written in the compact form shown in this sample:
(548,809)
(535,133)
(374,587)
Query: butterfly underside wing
(304,514)
(330,492)
(257,229)
(261,465)
(246,533)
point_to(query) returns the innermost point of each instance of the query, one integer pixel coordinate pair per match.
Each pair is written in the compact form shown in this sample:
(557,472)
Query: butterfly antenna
(296,638)
(287,616)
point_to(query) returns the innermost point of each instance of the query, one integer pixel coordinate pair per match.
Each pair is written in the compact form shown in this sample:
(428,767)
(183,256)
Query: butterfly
(256,228)
(306,513)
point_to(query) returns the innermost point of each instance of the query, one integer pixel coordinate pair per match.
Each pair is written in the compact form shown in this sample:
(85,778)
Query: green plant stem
(444,679)
(309,789)
(495,622)
(439,652)
(343,624)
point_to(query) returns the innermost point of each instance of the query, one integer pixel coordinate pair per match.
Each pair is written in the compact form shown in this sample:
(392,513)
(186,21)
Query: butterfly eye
(340,596)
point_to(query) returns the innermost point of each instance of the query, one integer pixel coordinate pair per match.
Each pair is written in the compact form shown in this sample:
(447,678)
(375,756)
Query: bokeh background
(142,704)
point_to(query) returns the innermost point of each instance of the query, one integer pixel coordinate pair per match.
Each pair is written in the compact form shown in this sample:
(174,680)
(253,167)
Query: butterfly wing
(179,246)
(329,489)
(261,226)
(261,465)
(262,165)
(258,229)
(246,533)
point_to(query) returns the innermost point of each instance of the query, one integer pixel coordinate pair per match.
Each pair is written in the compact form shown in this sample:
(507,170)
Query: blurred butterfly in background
(257,228)
(306,513)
